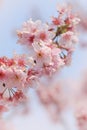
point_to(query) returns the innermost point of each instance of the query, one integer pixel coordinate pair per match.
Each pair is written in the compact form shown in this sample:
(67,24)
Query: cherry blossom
(50,47)
(32,32)
(43,39)
(70,38)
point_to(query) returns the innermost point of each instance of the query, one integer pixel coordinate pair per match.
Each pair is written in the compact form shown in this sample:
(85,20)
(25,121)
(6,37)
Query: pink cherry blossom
(39,39)
(33,31)
(57,21)
(68,40)
(57,61)
(42,54)
(46,44)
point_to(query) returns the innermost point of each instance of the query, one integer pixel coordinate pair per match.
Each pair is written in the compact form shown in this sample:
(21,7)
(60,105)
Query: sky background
(12,14)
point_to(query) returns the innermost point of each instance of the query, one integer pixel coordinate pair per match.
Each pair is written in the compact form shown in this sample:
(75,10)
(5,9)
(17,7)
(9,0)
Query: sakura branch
(50,48)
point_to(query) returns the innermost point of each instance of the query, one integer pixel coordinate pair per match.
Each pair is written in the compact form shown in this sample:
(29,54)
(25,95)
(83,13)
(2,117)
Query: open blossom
(42,54)
(58,62)
(57,21)
(68,40)
(47,57)
(32,32)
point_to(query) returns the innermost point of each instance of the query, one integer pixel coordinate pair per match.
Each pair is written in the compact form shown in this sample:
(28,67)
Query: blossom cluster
(15,79)
(50,47)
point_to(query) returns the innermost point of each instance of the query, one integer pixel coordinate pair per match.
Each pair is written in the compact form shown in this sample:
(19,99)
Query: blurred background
(12,15)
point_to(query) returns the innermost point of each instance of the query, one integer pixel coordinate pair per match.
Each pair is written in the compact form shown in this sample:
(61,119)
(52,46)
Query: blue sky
(12,14)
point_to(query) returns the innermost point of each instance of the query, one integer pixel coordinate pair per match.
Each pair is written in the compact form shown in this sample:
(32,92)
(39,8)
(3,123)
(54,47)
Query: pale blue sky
(12,14)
